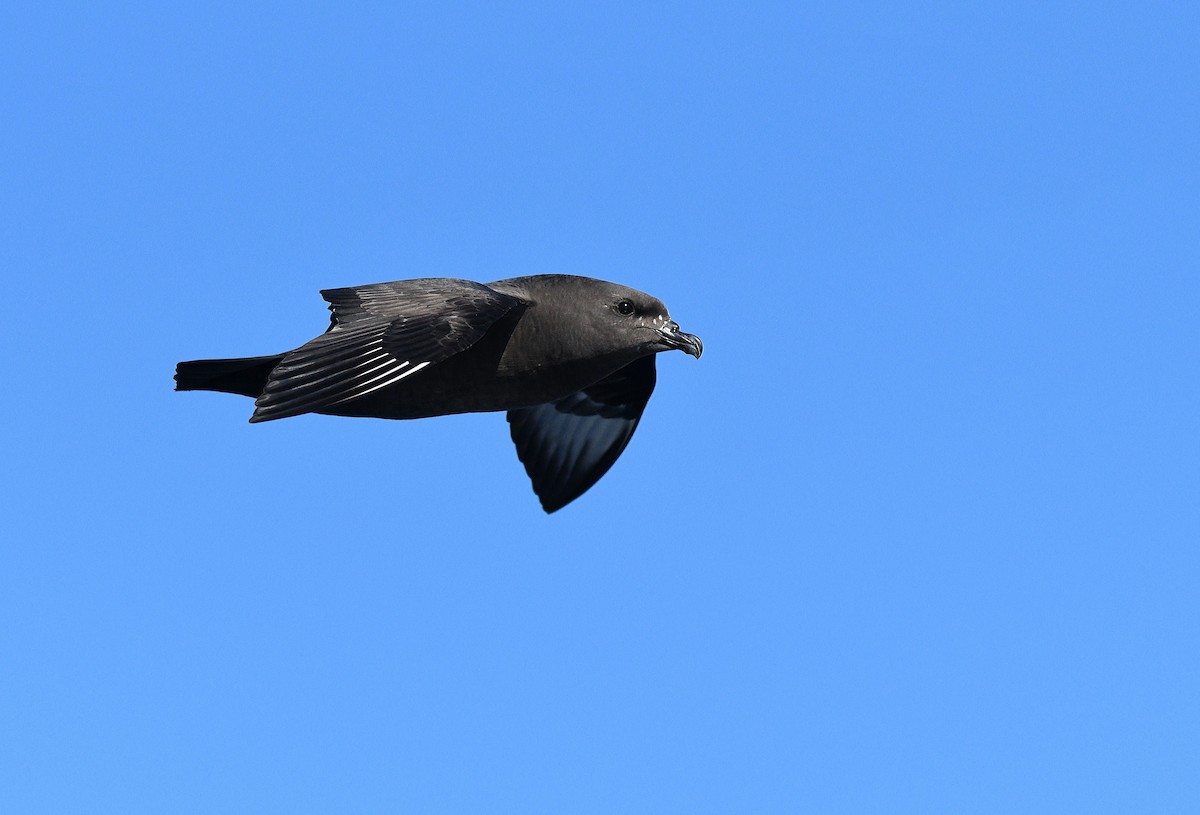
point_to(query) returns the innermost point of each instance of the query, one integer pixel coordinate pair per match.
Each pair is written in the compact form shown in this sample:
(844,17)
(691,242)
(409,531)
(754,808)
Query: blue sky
(918,533)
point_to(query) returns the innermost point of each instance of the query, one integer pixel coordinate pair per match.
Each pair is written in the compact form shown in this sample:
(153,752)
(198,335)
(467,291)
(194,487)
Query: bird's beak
(672,337)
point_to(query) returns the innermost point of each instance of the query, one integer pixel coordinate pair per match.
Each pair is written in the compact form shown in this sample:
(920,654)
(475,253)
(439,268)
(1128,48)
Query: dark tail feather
(247,376)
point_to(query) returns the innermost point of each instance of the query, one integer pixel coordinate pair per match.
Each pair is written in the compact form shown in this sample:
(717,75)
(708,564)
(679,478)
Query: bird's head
(632,313)
(632,319)
(573,319)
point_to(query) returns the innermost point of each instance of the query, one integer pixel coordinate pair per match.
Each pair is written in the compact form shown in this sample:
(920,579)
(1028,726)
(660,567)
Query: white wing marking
(400,373)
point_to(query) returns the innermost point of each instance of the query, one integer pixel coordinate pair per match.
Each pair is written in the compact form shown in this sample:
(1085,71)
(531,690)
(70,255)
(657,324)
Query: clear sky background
(919,533)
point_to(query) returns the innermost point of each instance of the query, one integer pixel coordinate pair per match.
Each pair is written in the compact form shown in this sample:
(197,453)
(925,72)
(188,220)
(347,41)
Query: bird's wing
(380,335)
(566,446)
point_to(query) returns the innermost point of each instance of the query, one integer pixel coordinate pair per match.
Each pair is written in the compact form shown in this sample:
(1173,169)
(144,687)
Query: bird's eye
(625,307)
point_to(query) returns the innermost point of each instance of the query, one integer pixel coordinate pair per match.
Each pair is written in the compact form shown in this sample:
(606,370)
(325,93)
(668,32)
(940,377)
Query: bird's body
(570,359)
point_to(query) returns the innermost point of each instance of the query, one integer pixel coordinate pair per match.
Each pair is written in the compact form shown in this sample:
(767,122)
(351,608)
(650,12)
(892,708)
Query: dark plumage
(570,358)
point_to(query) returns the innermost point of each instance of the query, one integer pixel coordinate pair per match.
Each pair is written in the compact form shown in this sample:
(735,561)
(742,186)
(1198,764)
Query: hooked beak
(670,336)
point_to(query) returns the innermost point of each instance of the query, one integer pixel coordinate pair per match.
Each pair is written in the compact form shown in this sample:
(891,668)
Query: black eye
(625,307)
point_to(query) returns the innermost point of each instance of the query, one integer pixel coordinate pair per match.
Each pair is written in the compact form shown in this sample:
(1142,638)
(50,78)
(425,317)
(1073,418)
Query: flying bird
(571,359)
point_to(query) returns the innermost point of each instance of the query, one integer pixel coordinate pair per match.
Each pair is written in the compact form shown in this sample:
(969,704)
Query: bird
(570,359)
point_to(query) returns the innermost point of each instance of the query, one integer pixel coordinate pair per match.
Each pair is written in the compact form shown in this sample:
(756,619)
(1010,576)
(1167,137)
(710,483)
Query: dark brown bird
(571,359)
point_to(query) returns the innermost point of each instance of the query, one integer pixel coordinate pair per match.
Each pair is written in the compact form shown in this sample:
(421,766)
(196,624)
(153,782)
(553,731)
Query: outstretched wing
(378,336)
(566,446)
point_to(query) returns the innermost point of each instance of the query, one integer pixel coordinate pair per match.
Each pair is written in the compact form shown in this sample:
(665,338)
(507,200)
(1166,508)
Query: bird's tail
(246,376)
